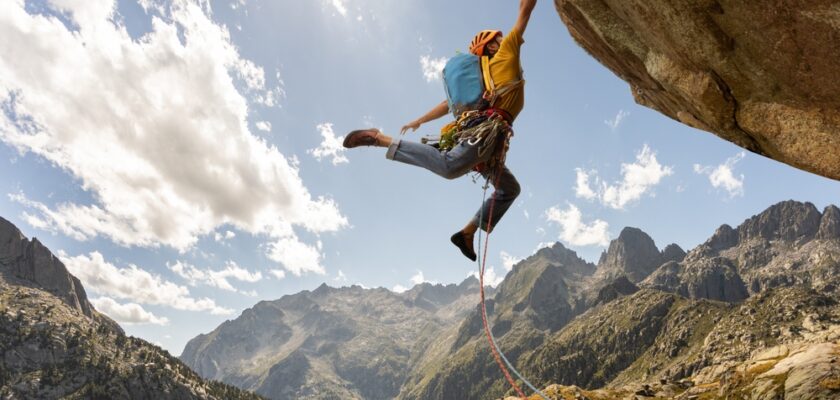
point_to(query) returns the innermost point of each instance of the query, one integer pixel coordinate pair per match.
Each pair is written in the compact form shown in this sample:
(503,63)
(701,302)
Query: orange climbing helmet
(481,39)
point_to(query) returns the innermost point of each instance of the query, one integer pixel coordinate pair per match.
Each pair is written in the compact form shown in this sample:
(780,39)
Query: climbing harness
(481,127)
(501,360)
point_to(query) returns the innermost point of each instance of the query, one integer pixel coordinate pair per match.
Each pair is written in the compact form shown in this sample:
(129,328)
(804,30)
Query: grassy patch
(760,368)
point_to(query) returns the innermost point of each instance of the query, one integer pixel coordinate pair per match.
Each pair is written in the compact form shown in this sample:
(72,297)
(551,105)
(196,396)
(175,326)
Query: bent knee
(513,189)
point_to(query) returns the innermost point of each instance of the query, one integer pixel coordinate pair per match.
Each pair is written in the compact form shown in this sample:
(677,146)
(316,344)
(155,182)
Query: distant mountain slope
(54,344)
(345,343)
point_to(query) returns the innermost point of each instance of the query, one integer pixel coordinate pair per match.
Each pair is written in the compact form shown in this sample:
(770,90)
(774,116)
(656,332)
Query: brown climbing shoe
(459,240)
(362,137)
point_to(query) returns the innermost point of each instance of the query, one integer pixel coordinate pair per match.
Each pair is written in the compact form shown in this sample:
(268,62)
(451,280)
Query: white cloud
(236,4)
(278,273)
(490,277)
(576,232)
(227,236)
(418,278)
(637,179)
(264,126)
(128,313)
(340,277)
(722,176)
(330,147)
(340,7)
(615,122)
(508,261)
(582,188)
(154,128)
(135,284)
(297,257)
(368,120)
(432,67)
(215,278)
(542,245)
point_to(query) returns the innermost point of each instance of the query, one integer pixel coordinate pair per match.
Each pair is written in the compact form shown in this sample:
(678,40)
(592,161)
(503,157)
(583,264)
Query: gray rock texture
(633,254)
(760,75)
(30,261)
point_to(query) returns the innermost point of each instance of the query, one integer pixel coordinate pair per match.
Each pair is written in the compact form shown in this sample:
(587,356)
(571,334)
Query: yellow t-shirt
(504,68)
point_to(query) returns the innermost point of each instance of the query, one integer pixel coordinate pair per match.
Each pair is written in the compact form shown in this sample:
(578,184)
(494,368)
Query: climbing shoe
(362,137)
(460,241)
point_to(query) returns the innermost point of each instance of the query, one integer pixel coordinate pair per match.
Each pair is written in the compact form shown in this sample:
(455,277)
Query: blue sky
(181,156)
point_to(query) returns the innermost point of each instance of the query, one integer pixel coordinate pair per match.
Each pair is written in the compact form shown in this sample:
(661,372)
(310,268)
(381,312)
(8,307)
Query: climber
(483,139)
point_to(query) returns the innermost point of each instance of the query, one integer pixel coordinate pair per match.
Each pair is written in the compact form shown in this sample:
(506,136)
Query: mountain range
(641,319)
(750,313)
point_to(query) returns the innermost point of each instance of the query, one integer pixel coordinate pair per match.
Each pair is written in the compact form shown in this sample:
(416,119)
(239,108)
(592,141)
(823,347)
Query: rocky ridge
(758,75)
(54,344)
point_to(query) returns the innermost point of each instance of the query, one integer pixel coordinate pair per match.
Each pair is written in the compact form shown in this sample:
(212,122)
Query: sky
(183,158)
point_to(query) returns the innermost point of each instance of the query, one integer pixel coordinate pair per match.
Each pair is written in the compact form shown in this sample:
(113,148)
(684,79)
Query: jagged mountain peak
(33,262)
(322,289)
(559,254)
(632,253)
(470,282)
(830,223)
(673,252)
(724,237)
(788,221)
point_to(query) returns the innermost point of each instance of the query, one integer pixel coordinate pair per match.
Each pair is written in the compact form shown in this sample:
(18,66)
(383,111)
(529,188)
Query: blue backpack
(464,84)
(469,85)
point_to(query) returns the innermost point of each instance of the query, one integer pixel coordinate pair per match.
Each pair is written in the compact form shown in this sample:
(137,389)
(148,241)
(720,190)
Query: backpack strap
(489,85)
(492,92)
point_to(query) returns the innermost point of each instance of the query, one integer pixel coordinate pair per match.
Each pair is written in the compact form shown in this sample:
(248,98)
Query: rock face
(54,344)
(633,254)
(759,75)
(32,262)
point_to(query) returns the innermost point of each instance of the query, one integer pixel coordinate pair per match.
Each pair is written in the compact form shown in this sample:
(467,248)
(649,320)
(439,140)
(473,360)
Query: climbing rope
(501,360)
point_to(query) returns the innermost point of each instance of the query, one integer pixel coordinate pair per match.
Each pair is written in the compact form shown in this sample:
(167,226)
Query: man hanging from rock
(478,139)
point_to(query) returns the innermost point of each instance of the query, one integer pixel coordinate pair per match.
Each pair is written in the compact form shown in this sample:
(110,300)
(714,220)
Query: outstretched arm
(525,8)
(433,114)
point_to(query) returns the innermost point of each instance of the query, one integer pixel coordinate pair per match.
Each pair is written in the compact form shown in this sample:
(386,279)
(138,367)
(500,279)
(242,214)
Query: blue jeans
(455,163)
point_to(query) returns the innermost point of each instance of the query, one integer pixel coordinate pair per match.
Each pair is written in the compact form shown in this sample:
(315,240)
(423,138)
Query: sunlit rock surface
(760,75)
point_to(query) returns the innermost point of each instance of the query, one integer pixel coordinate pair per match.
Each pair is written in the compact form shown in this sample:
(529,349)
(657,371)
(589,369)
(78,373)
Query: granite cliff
(758,74)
